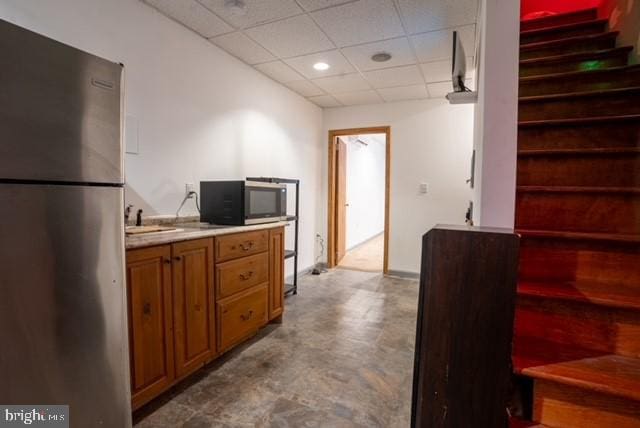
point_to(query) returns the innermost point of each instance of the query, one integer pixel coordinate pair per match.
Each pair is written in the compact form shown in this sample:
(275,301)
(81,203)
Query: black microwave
(242,202)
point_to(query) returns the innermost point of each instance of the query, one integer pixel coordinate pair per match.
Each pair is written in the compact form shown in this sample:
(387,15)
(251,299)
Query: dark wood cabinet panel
(193,305)
(464,328)
(150,322)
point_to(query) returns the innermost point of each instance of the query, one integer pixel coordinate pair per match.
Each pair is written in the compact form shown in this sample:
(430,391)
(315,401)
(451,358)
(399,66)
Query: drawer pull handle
(246,247)
(146,308)
(247,276)
(167,261)
(247,317)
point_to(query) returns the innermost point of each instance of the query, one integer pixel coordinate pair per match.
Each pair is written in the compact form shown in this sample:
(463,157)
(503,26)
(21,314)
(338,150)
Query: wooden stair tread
(587,151)
(579,73)
(579,120)
(598,293)
(577,56)
(569,40)
(608,374)
(563,27)
(611,237)
(534,352)
(583,94)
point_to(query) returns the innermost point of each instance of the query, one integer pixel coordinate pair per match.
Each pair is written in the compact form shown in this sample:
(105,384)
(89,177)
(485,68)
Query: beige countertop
(187,231)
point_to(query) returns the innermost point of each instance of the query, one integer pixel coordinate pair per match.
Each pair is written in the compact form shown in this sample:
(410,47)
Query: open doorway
(359,174)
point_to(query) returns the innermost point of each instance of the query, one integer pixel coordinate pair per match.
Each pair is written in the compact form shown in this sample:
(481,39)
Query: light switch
(424,188)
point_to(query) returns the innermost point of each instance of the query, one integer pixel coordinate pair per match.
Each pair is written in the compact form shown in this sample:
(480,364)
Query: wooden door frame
(331,213)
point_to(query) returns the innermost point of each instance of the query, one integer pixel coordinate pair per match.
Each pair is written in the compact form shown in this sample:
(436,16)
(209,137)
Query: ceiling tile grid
(284,39)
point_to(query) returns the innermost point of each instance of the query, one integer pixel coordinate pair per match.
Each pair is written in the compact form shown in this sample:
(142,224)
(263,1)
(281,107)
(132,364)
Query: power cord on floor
(316,270)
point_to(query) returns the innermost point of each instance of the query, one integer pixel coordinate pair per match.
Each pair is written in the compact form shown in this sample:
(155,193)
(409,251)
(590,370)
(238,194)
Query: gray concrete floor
(343,357)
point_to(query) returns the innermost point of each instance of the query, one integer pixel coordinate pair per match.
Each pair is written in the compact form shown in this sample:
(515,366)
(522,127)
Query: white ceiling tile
(414,92)
(360,22)
(397,76)
(279,71)
(311,5)
(239,45)
(291,37)
(325,101)
(193,15)
(422,15)
(400,50)
(439,90)
(257,11)
(337,64)
(343,83)
(437,71)
(437,45)
(360,97)
(305,88)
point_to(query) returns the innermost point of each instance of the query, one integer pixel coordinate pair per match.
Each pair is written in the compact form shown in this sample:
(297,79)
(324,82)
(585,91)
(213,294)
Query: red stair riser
(581,82)
(606,104)
(615,59)
(602,170)
(587,45)
(555,20)
(578,212)
(558,405)
(574,261)
(582,325)
(595,135)
(595,27)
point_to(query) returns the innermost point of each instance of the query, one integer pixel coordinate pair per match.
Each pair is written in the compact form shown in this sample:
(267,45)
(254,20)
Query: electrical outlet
(424,188)
(188,188)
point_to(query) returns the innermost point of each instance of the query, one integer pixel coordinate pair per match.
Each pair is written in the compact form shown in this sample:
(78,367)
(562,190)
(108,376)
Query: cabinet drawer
(241,315)
(241,244)
(240,274)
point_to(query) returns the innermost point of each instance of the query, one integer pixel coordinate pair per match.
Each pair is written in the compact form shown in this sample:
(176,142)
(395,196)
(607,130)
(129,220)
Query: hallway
(367,257)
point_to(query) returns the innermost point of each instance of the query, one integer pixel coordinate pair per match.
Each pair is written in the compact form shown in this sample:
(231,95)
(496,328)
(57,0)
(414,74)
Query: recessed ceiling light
(236,7)
(381,57)
(321,66)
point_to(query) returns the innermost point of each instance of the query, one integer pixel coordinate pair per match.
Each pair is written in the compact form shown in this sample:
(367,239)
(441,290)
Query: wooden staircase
(577,329)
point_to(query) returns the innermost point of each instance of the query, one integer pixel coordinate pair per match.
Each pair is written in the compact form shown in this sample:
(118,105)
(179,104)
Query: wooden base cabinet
(193,305)
(150,322)
(190,301)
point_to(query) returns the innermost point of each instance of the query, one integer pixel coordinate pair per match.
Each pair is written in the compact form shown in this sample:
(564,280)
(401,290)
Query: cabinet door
(150,322)
(193,305)
(276,272)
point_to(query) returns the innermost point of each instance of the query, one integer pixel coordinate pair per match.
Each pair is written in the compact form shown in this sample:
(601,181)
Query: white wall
(365,188)
(624,16)
(431,141)
(495,132)
(202,114)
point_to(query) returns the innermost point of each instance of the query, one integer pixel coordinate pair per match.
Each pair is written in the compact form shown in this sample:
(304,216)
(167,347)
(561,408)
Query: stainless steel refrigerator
(63,328)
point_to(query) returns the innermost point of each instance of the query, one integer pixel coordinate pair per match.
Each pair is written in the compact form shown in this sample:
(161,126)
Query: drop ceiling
(283,39)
